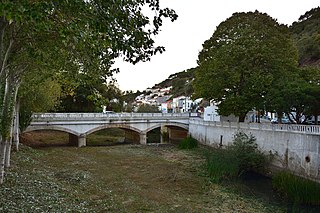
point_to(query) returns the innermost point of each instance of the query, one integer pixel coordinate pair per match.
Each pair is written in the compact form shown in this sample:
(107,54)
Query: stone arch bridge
(135,125)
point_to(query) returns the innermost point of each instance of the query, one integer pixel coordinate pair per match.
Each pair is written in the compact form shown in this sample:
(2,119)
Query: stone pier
(82,140)
(143,138)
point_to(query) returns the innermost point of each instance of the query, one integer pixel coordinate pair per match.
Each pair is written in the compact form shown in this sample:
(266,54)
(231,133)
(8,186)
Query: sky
(196,23)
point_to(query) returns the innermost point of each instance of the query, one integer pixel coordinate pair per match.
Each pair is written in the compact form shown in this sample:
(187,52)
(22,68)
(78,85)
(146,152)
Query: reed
(297,189)
(222,165)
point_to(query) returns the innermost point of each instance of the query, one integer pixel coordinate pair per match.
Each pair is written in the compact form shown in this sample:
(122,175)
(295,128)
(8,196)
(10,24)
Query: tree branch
(5,59)
(2,30)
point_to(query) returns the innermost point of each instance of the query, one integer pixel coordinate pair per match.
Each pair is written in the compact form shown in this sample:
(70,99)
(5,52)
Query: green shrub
(242,156)
(188,143)
(249,157)
(297,189)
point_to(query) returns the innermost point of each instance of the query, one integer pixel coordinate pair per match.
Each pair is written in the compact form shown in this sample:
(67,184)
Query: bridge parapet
(97,116)
(306,129)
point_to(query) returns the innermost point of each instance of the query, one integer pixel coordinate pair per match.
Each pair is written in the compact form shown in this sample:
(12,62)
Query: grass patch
(297,189)
(188,143)
(221,165)
(242,156)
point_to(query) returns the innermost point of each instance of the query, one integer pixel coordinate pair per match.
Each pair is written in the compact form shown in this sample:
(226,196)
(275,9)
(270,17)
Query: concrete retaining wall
(296,151)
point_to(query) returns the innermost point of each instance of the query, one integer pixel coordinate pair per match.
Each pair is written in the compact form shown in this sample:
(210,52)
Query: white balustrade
(86,116)
(311,129)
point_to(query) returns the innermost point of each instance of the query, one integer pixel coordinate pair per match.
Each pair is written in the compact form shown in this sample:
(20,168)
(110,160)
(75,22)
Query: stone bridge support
(164,138)
(143,138)
(82,140)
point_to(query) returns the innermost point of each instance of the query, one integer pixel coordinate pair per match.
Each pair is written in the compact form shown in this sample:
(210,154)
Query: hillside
(181,83)
(306,32)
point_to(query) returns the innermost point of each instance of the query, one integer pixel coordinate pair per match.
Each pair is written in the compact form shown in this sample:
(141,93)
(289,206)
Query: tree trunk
(242,118)
(16,139)
(6,125)
(316,119)
(2,159)
(7,158)
(279,117)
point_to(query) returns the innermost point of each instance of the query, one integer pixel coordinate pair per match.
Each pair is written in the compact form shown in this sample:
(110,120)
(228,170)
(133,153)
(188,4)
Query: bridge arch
(108,126)
(55,128)
(171,124)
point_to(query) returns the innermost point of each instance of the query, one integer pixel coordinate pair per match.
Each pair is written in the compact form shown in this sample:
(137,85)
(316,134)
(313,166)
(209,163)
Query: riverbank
(124,178)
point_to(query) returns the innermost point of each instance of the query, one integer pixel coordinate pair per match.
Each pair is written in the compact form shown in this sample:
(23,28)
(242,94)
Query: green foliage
(37,95)
(242,156)
(25,117)
(297,97)
(222,165)
(188,143)
(77,40)
(90,97)
(129,96)
(306,32)
(181,83)
(147,108)
(242,61)
(249,157)
(299,190)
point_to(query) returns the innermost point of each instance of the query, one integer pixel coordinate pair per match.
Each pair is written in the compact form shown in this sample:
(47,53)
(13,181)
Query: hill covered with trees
(181,83)
(306,32)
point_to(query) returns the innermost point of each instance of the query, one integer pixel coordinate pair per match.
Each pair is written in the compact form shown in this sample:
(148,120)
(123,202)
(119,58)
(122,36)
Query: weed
(297,189)
(221,165)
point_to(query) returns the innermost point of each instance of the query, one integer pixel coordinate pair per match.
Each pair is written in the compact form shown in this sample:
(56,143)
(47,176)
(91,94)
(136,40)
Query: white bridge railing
(308,129)
(96,116)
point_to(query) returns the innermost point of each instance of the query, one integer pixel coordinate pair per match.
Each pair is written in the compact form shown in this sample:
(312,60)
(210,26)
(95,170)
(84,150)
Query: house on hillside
(166,107)
(182,104)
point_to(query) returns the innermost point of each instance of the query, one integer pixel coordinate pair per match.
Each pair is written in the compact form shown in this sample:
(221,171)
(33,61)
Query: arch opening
(47,138)
(167,133)
(154,136)
(108,136)
(174,134)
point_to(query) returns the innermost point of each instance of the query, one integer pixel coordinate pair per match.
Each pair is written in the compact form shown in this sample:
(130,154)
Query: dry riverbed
(122,178)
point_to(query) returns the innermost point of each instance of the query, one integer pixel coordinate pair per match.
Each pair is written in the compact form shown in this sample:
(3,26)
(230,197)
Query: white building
(210,113)
(182,104)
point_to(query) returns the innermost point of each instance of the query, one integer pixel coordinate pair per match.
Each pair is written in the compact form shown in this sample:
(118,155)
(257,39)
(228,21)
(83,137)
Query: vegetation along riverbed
(119,178)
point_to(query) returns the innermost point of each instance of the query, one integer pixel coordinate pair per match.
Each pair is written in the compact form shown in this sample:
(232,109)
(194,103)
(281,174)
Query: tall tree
(311,78)
(298,95)
(242,60)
